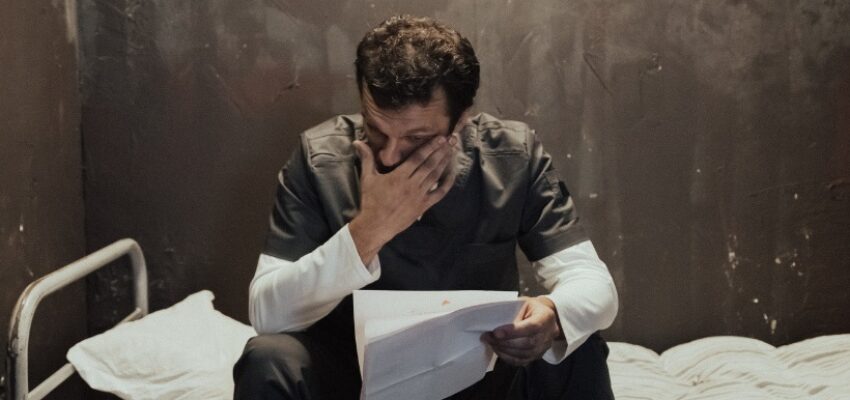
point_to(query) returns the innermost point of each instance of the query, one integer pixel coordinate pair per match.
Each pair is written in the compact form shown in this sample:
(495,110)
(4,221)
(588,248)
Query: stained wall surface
(41,190)
(707,144)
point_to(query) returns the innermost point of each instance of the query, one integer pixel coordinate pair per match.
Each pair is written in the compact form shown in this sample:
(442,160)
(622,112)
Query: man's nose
(390,154)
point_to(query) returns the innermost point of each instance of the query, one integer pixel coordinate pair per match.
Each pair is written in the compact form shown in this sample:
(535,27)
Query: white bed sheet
(727,367)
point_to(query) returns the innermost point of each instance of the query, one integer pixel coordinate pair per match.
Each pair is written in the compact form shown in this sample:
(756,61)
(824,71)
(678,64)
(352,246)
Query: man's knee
(583,375)
(272,365)
(275,351)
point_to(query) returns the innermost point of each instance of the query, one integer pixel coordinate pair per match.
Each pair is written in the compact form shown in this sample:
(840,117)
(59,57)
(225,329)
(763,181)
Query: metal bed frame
(17,360)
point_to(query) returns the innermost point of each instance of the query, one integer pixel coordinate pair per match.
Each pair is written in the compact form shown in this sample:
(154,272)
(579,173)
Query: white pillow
(186,351)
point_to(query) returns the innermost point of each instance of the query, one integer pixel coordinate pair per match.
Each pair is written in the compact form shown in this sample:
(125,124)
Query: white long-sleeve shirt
(287,296)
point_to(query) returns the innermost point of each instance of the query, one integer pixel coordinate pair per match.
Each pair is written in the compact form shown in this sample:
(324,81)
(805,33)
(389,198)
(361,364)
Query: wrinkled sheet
(729,367)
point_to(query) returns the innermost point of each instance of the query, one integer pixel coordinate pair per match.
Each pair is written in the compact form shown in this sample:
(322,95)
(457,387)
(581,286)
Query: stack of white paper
(426,345)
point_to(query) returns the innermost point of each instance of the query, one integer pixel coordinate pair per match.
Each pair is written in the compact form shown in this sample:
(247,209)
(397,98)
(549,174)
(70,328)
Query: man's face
(395,134)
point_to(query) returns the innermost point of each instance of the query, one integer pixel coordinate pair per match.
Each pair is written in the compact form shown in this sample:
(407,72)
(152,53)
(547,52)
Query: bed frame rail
(17,360)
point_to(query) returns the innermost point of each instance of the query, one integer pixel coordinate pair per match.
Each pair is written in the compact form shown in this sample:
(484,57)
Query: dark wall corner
(41,201)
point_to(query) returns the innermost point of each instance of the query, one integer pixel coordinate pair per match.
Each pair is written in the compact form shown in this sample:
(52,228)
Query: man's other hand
(391,202)
(529,336)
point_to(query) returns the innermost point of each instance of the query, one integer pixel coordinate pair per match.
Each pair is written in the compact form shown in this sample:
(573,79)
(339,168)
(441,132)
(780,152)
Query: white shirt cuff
(584,295)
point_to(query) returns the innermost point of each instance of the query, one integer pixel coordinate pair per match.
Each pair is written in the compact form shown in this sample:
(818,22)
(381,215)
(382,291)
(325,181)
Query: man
(413,195)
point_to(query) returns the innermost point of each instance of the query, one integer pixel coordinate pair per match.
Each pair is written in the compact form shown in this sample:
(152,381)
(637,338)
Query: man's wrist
(559,334)
(367,239)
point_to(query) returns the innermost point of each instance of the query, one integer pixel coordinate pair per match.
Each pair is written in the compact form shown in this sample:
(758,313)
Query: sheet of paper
(426,345)
(393,304)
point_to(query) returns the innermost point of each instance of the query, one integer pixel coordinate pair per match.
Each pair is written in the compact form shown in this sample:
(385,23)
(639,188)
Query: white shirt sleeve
(583,292)
(287,296)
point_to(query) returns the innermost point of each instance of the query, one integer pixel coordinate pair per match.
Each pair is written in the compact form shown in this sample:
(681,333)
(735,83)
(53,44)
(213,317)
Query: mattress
(731,367)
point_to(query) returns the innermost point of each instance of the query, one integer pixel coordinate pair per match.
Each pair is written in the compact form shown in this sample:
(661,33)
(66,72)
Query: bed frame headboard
(17,361)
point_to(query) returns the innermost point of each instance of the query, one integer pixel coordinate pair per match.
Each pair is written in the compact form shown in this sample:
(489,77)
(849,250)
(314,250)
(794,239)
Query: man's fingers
(522,337)
(526,327)
(527,338)
(409,166)
(441,160)
(514,352)
(366,158)
(522,343)
(443,188)
(512,355)
(518,361)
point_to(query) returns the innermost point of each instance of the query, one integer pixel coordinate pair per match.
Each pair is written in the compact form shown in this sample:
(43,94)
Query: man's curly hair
(405,58)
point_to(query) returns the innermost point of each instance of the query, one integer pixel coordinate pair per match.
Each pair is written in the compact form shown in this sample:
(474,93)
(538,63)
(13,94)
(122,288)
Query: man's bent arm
(583,292)
(291,296)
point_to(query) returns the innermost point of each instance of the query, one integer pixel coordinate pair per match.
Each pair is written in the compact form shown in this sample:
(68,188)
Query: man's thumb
(366,157)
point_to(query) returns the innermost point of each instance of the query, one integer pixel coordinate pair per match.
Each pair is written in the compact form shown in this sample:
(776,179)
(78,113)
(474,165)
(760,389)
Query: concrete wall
(41,190)
(707,143)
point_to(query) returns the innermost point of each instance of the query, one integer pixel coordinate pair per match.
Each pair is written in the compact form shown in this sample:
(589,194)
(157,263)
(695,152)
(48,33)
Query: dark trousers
(309,366)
